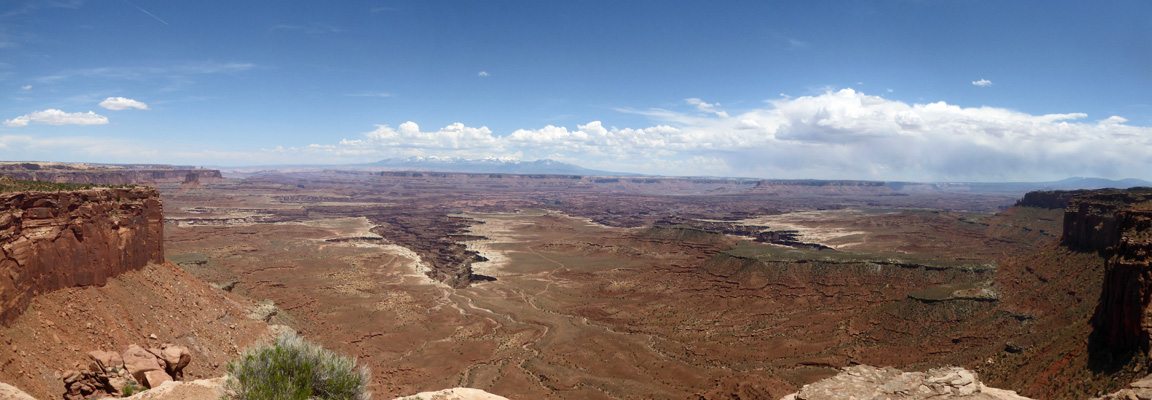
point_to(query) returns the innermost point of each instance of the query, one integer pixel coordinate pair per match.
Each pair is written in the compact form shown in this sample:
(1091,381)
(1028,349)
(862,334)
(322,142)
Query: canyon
(567,286)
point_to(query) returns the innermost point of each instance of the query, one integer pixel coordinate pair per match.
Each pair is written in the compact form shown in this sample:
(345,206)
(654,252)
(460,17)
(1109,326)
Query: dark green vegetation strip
(8,185)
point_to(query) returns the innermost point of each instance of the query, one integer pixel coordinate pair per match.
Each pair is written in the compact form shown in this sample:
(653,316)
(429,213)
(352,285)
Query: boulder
(139,361)
(108,373)
(71,376)
(175,359)
(155,378)
(116,385)
(12,393)
(105,361)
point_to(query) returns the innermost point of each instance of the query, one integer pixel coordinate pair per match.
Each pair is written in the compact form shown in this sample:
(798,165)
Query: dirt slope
(59,328)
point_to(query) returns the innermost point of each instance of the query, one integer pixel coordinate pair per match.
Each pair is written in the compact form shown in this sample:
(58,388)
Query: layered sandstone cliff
(116,177)
(1090,221)
(1123,319)
(1116,225)
(103,174)
(1051,199)
(56,240)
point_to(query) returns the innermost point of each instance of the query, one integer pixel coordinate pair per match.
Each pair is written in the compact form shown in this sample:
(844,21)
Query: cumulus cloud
(483,73)
(26,87)
(121,103)
(982,83)
(841,134)
(408,135)
(57,117)
(1113,120)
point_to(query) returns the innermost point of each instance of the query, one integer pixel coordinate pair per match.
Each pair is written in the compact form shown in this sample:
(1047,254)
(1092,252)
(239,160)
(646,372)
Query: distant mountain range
(1021,187)
(1099,183)
(511,165)
(490,165)
(508,165)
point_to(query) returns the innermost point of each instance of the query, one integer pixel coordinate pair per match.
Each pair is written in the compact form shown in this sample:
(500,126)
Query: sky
(914,90)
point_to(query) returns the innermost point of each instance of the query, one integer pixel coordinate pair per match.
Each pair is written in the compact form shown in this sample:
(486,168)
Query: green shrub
(292,368)
(131,388)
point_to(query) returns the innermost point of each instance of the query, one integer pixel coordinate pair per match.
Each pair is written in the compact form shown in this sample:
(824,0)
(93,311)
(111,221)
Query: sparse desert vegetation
(291,368)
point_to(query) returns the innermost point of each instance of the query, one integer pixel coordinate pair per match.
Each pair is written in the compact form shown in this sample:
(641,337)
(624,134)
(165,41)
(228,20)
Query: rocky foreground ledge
(862,382)
(214,389)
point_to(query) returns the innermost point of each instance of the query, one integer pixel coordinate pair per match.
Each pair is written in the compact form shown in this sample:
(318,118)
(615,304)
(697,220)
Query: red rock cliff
(55,240)
(1123,318)
(1090,221)
(1053,199)
(115,177)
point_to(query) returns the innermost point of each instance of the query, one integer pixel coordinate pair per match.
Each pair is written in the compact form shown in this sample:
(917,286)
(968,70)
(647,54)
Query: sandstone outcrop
(862,382)
(1052,199)
(10,392)
(1090,219)
(56,240)
(112,374)
(1139,390)
(1123,318)
(201,389)
(104,174)
(454,394)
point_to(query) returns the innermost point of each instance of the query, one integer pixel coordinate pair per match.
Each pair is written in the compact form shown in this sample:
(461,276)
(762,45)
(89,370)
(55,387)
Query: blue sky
(898,90)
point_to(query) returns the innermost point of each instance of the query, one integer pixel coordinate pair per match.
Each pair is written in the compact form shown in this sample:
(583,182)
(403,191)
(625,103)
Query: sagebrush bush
(292,368)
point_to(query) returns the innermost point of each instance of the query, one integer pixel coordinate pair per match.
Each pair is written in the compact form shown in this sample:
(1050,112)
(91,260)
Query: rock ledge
(860,382)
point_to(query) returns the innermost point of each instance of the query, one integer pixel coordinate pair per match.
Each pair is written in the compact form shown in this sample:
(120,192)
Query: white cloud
(26,87)
(705,107)
(408,135)
(57,117)
(982,83)
(121,103)
(1113,120)
(841,134)
(483,74)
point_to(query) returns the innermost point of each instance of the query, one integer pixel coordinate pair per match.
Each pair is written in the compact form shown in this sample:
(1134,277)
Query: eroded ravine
(527,292)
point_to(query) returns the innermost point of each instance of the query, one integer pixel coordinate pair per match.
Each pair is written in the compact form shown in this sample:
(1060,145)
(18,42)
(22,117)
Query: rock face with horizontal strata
(862,382)
(1090,218)
(104,174)
(1123,317)
(55,240)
